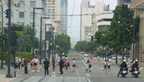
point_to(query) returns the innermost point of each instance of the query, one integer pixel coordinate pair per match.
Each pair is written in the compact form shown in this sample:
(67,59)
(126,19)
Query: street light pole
(9,38)
(33,30)
(133,36)
(45,41)
(41,36)
(2,38)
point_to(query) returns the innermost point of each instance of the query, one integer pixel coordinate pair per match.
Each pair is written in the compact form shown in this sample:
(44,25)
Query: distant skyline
(74,21)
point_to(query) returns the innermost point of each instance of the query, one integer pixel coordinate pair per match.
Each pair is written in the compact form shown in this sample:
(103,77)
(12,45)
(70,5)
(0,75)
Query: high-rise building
(63,17)
(87,11)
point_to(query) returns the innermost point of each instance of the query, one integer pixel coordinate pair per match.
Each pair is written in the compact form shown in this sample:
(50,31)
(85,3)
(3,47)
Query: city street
(80,74)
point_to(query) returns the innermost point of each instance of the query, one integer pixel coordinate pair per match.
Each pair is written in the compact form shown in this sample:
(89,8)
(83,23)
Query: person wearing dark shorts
(89,66)
(74,64)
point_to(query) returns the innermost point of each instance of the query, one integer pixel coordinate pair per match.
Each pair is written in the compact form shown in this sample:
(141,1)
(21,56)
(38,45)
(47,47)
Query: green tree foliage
(63,41)
(86,46)
(120,31)
(101,35)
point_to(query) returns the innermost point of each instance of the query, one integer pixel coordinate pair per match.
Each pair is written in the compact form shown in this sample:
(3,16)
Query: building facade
(104,18)
(120,2)
(88,23)
(139,46)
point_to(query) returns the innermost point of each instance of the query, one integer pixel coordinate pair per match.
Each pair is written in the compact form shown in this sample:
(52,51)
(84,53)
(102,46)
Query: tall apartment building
(87,11)
(63,13)
(22,12)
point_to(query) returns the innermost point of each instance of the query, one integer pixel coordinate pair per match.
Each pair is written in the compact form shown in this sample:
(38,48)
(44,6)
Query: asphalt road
(80,74)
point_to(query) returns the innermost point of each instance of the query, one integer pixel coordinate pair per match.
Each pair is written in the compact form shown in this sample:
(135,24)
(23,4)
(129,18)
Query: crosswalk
(53,79)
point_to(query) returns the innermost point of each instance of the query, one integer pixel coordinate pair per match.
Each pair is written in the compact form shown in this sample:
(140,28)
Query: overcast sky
(74,21)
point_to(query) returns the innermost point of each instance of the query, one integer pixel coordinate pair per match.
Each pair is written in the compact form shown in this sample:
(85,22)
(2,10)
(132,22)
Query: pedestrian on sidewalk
(61,65)
(46,64)
(26,66)
(53,62)
(74,64)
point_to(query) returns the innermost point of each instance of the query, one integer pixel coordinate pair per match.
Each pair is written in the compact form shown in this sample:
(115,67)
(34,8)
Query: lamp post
(33,30)
(41,36)
(2,38)
(45,40)
(52,34)
(8,75)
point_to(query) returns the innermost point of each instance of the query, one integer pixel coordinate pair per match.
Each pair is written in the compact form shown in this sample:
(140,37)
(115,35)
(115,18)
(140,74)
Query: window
(32,3)
(22,3)
(21,14)
(20,23)
(31,15)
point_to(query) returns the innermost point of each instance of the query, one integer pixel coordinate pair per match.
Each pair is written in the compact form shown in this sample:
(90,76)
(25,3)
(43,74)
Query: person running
(109,66)
(36,64)
(46,66)
(32,65)
(65,64)
(73,64)
(22,64)
(98,58)
(68,63)
(105,66)
(89,66)
(53,62)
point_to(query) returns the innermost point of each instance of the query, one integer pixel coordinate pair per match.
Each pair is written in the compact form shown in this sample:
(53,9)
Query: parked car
(85,55)
(112,56)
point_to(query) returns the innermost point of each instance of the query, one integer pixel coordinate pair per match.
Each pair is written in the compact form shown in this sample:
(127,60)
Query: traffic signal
(124,10)
(7,13)
(92,38)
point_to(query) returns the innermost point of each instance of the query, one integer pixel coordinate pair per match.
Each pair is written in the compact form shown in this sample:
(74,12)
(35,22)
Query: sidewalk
(3,78)
(3,73)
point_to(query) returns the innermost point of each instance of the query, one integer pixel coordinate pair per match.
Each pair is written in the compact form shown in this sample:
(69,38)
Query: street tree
(121,28)
(63,41)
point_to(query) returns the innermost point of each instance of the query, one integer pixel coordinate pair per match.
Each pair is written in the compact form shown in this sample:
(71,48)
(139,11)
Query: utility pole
(33,30)
(2,39)
(9,38)
(41,36)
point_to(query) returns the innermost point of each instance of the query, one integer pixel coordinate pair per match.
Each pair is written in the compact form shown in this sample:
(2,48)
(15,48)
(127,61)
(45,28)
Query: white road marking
(88,80)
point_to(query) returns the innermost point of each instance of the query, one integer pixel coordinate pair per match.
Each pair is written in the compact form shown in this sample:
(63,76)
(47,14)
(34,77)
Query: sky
(74,21)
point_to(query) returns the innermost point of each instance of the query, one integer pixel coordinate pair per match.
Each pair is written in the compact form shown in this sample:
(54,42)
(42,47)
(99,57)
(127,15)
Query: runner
(74,65)
(89,65)
(109,66)
(105,66)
